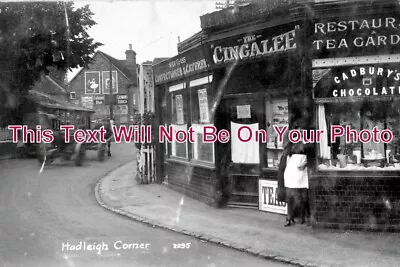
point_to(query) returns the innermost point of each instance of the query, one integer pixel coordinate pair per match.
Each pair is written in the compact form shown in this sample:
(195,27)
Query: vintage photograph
(200,133)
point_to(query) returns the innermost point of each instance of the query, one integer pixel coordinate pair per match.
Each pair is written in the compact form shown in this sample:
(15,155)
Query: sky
(151,26)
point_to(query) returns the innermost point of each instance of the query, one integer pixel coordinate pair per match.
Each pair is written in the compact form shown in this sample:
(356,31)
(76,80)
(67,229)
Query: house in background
(146,85)
(91,87)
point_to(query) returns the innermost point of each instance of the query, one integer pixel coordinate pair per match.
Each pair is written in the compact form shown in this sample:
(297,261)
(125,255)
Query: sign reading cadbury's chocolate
(358,81)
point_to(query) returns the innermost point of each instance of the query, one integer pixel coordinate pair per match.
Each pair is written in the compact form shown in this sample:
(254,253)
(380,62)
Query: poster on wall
(203,105)
(92,82)
(179,109)
(243,112)
(87,101)
(268,199)
(106,82)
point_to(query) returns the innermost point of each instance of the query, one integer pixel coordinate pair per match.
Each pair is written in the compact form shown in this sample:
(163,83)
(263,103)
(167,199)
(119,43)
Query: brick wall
(193,181)
(356,201)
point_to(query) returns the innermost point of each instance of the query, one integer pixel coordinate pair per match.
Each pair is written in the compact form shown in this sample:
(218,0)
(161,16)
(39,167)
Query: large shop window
(190,104)
(179,110)
(357,100)
(200,103)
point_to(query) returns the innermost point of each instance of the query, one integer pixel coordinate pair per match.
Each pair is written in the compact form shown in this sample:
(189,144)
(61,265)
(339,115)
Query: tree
(37,36)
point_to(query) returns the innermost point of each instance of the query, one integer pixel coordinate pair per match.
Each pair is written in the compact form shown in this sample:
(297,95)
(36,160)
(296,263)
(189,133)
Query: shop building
(90,87)
(273,64)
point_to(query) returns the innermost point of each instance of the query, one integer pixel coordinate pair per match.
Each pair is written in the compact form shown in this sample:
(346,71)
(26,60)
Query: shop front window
(179,123)
(200,110)
(358,109)
(277,114)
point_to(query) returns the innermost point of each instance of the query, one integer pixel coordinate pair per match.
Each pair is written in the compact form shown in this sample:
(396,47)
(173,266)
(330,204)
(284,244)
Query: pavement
(259,233)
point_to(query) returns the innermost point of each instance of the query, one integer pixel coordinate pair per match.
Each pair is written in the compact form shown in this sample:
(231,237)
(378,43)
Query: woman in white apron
(296,182)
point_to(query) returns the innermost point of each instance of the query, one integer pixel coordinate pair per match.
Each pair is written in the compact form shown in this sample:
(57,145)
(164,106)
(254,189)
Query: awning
(48,101)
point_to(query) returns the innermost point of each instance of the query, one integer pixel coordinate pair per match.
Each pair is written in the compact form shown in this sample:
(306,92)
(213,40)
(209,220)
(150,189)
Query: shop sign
(253,46)
(268,199)
(98,100)
(354,37)
(188,63)
(87,101)
(354,82)
(122,99)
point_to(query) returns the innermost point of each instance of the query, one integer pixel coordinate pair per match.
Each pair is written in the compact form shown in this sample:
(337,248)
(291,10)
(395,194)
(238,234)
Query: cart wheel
(101,152)
(41,152)
(80,156)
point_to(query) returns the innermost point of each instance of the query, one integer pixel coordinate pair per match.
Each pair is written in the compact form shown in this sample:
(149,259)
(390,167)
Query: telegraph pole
(111,95)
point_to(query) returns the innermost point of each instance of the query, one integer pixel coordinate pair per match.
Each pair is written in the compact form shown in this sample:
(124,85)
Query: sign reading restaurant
(356,36)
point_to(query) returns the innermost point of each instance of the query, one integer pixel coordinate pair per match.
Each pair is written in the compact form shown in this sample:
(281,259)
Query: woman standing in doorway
(296,182)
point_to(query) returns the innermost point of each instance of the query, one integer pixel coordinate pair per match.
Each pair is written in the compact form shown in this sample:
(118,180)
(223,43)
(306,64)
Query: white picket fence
(147,164)
(5,135)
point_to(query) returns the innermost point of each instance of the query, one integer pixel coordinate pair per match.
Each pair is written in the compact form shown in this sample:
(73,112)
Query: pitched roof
(46,100)
(48,85)
(119,64)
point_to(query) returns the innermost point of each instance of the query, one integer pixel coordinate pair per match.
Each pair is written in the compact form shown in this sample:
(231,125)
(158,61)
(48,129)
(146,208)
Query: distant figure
(107,124)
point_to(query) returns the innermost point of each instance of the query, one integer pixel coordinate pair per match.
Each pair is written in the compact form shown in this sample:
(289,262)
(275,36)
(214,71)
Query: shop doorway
(242,116)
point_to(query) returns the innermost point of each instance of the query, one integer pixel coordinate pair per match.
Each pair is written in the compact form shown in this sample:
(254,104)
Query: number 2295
(182,245)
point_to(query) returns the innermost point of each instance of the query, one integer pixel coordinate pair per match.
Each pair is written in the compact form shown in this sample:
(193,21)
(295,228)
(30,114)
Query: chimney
(131,62)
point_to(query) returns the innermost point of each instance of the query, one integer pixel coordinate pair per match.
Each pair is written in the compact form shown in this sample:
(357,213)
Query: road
(52,219)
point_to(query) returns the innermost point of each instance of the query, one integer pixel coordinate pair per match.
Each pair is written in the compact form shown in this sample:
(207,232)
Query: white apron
(295,176)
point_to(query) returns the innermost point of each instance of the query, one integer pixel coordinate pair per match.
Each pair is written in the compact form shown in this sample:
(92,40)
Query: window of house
(200,103)
(72,95)
(364,103)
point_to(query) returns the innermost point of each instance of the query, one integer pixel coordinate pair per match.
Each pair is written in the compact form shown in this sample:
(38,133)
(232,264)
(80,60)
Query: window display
(180,117)
(364,100)
(277,115)
(179,122)
(200,114)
